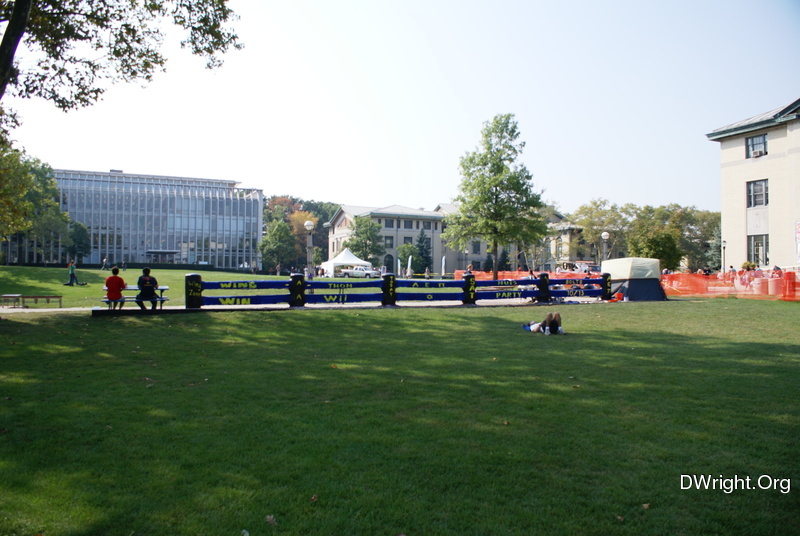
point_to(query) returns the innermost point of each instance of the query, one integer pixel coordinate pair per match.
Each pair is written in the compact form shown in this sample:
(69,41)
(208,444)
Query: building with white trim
(760,188)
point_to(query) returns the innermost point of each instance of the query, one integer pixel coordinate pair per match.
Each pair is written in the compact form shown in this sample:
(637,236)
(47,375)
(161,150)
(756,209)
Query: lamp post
(605,236)
(309,225)
(724,244)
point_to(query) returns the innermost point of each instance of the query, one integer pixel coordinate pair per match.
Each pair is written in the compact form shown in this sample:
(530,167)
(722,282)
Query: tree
(278,245)
(714,253)
(602,216)
(496,202)
(80,244)
(366,241)
(504,262)
(324,212)
(409,250)
(15,180)
(297,221)
(279,207)
(76,46)
(423,258)
(656,234)
(48,225)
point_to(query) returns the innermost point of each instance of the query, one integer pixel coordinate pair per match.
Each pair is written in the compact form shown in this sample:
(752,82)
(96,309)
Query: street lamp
(724,244)
(605,236)
(309,225)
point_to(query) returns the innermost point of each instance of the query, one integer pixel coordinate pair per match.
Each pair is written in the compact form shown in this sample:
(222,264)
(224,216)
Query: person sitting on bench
(147,290)
(115,285)
(550,324)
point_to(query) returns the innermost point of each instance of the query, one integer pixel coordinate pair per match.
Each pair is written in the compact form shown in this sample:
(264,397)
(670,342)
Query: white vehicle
(360,271)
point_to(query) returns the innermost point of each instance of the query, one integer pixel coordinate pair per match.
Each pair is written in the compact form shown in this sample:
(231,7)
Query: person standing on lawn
(114,287)
(73,279)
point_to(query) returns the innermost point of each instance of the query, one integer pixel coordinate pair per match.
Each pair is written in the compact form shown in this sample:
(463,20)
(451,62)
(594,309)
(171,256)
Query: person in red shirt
(115,285)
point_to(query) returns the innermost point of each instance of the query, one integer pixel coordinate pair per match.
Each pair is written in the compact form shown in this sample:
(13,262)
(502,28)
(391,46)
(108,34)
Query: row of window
(409,224)
(388,241)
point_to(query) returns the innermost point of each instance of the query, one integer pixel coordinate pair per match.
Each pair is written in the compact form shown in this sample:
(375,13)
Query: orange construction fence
(770,285)
(522,274)
(743,284)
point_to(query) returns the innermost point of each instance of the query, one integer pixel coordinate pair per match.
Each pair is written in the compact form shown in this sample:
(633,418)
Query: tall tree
(15,180)
(655,234)
(49,226)
(79,243)
(423,258)
(278,246)
(366,241)
(598,216)
(496,202)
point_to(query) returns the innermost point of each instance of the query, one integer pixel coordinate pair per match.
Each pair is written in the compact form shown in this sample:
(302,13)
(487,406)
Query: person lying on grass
(550,324)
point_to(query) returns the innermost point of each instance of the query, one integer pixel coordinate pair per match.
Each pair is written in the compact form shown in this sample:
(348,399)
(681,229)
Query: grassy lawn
(419,421)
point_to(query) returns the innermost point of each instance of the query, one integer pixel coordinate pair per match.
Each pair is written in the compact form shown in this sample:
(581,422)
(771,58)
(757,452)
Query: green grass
(410,420)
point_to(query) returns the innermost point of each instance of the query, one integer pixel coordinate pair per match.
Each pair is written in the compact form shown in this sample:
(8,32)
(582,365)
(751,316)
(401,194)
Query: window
(758,249)
(408,240)
(388,242)
(408,224)
(756,146)
(757,193)
(476,247)
(426,225)
(389,224)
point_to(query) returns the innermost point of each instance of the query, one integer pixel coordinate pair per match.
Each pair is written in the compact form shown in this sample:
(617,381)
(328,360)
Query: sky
(374,102)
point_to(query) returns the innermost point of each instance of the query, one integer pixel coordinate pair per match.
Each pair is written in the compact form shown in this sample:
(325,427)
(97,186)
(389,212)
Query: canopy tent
(345,258)
(636,278)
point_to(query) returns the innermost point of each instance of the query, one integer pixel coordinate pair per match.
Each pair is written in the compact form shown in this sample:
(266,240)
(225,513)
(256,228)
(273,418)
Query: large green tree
(15,181)
(423,258)
(79,244)
(278,247)
(496,199)
(73,48)
(655,233)
(49,226)
(599,216)
(366,241)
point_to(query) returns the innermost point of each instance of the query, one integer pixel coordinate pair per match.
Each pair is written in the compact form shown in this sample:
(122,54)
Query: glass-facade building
(156,219)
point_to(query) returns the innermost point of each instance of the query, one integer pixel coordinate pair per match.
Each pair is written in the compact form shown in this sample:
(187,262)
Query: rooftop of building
(769,119)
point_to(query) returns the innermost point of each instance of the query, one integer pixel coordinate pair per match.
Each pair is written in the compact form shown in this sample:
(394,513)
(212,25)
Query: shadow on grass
(456,422)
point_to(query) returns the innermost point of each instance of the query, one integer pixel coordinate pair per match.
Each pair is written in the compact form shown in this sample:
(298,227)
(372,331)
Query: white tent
(345,258)
(637,278)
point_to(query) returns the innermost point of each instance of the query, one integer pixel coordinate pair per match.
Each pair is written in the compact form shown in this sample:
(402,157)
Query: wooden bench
(36,299)
(129,299)
(133,288)
(11,300)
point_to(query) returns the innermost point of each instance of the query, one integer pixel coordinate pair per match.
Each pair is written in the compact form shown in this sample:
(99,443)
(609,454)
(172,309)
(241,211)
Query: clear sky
(373,102)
